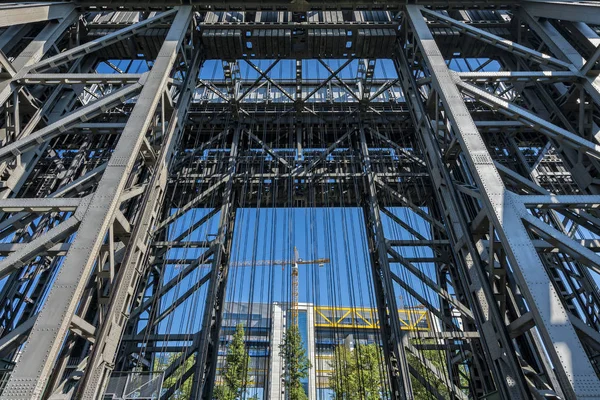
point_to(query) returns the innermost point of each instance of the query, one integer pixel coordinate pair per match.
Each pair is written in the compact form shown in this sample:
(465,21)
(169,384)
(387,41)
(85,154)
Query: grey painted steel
(389,320)
(564,242)
(104,41)
(291,5)
(43,42)
(16,14)
(429,282)
(568,10)
(39,205)
(28,252)
(6,65)
(574,370)
(504,366)
(554,40)
(102,359)
(52,110)
(519,76)
(30,376)
(549,201)
(578,10)
(88,79)
(73,119)
(510,212)
(36,49)
(498,41)
(205,368)
(527,117)
(58,249)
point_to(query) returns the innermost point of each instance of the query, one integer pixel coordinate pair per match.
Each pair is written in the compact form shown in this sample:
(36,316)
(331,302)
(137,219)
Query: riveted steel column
(389,320)
(135,262)
(504,369)
(574,370)
(33,370)
(208,337)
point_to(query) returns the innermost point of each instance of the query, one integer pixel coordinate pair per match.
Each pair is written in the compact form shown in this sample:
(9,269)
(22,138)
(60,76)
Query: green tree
(184,391)
(438,359)
(296,363)
(235,371)
(357,374)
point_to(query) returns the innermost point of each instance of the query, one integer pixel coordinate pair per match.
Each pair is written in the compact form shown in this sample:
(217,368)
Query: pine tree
(296,363)
(235,371)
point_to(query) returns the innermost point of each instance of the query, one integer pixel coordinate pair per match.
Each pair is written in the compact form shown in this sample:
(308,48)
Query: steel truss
(500,161)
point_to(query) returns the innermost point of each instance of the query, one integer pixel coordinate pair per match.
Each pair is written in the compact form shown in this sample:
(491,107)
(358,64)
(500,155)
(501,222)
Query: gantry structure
(486,128)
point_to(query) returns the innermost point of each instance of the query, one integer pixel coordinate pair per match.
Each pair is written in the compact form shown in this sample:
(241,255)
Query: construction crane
(294,263)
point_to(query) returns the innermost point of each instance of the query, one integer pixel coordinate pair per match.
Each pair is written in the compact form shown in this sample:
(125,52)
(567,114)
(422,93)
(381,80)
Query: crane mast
(294,275)
(295,295)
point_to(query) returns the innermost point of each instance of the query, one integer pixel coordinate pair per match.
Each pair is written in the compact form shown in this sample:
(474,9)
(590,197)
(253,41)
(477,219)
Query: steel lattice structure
(501,164)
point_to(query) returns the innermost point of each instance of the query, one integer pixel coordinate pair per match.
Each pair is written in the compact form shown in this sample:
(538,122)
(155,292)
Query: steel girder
(502,367)
(396,342)
(99,216)
(575,10)
(16,14)
(135,262)
(504,209)
(495,308)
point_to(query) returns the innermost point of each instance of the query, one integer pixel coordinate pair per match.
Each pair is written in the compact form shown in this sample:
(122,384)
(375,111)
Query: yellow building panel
(366,318)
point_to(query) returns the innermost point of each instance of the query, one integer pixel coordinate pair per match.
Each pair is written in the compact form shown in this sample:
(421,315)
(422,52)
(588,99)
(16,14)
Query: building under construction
(171,168)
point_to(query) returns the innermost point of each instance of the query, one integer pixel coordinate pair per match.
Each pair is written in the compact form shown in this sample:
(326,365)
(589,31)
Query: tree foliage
(357,374)
(296,363)
(438,359)
(184,391)
(235,371)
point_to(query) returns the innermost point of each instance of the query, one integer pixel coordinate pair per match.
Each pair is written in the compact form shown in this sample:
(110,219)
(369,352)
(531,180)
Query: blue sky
(270,234)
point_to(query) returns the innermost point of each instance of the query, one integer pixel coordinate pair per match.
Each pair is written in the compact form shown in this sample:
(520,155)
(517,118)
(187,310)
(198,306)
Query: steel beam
(208,340)
(519,76)
(429,282)
(16,14)
(574,370)
(564,242)
(391,332)
(535,122)
(498,41)
(97,44)
(70,120)
(487,266)
(135,262)
(58,249)
(32,372)
(72,79)
(471,282)
(566,10)
(561,201)
(32,249)
(264,5)
(39,205)
(35,50)
(563,48)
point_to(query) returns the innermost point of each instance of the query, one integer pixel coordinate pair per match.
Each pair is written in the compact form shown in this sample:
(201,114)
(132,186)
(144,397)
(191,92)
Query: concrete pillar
(312,374)
(275,362)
